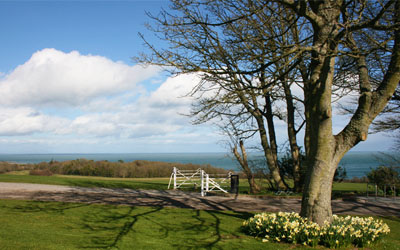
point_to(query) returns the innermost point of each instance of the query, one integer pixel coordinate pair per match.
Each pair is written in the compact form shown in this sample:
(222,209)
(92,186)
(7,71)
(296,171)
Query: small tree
(340,174)
(242,159)
(382,176)
(286,167)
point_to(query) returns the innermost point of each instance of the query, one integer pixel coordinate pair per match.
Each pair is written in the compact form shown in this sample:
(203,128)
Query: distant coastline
(357,163)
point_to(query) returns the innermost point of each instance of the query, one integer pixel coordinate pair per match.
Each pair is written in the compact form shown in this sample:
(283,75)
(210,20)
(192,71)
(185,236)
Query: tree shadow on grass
(116,184)
(114,226)
(46,207)
(108,228)
(366,207)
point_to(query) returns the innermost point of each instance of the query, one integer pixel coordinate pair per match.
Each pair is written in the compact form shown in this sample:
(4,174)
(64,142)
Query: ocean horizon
(357,164)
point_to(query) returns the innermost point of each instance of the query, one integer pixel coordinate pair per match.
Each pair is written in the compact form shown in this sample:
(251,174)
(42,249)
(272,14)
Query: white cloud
(22,121)
(59,101)
(52,77)
(68,102)
(156,113)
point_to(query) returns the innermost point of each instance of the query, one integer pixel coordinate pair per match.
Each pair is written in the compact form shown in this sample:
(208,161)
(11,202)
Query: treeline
(134,169)
(8,167)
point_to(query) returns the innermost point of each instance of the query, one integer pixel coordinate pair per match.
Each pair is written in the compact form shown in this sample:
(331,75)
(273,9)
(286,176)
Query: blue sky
(68,84)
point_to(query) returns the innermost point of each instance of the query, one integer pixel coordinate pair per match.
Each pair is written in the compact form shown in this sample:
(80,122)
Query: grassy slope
(55,225)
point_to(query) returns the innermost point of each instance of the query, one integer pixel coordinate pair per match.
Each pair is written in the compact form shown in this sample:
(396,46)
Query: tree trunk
(271,159)
(320,142)
(316,202)
(268,151)
(269,116)
(272,139)
(294,148)
(254,188)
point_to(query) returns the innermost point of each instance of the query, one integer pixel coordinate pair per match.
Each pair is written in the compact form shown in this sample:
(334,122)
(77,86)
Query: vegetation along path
(173,198)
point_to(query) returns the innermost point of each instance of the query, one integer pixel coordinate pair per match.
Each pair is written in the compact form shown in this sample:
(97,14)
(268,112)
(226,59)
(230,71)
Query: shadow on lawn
(145,219)
(117,184)
(125,227)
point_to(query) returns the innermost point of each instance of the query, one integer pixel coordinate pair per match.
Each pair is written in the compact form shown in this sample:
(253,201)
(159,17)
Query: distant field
(86,181)
(339,189)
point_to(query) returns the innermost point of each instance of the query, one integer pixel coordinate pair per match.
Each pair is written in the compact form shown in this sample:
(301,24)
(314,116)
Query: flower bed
(292,228)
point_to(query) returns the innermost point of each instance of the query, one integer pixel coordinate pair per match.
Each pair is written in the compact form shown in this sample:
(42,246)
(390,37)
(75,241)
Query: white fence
(199,177)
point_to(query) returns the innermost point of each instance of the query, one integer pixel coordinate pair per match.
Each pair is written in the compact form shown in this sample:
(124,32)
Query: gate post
(207,183)
(234,184)
(202,182)
(174,177)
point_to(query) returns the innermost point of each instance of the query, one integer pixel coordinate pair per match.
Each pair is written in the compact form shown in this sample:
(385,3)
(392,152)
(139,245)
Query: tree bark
(316,201)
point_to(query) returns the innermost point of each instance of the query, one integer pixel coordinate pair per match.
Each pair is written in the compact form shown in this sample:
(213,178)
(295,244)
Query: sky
(68,84)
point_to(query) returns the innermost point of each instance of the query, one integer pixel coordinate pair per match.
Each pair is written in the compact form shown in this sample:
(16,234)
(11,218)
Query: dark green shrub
(382,176)
(340,174)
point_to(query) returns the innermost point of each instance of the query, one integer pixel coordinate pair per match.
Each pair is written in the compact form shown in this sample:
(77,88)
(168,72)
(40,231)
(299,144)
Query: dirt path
(170,198)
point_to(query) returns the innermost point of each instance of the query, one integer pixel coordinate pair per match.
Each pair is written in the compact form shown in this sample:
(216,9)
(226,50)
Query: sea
(357,164)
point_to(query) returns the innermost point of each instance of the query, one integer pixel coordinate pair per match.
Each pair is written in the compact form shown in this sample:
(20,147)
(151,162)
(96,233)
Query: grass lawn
(86,181)
(56,225)
(339,189)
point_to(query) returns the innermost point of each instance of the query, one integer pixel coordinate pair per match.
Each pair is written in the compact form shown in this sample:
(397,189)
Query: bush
(8,167)
(291,228)
(382,176)
(340,174)
(41,172)
(135,169)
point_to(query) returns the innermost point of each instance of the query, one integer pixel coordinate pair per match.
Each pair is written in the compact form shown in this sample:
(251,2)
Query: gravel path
(171,198)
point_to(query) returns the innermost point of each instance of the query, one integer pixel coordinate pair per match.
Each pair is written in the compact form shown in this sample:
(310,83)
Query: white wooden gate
(207,183)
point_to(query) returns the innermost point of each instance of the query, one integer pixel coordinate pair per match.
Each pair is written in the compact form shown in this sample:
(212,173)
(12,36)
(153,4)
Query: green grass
(350,187)
(56,225)
(86,181)
(339,189)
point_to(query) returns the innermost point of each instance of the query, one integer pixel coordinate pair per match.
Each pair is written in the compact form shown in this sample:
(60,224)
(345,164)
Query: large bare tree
(229,57)
(234,48)
(236,66)
(342,29)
